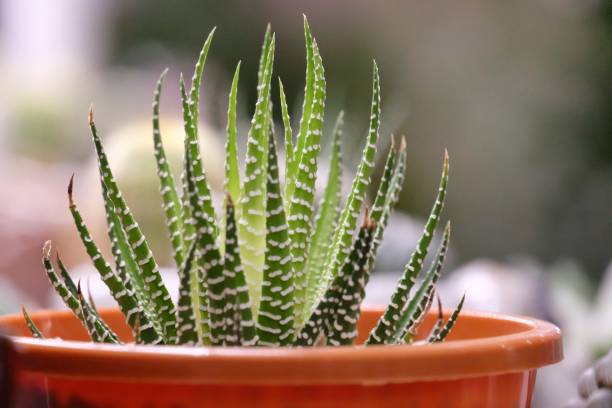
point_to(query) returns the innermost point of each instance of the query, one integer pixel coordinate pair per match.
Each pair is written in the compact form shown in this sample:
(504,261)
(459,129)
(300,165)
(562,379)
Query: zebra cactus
(275,268)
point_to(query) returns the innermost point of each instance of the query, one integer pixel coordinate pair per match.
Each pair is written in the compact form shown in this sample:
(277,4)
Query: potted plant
(268,310)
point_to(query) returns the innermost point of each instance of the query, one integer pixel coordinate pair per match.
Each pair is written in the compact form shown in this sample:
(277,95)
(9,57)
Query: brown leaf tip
(90,115)
(47,249)
(70,186)
(367,221)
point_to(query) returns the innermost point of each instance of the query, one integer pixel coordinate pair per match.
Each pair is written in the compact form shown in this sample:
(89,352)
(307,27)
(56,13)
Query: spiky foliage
(274,269)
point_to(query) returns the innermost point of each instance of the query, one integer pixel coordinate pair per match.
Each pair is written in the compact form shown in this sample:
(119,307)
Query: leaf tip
(90,115)
(163,74)
(368,222)
(402,143)
(70,187)
(47,250)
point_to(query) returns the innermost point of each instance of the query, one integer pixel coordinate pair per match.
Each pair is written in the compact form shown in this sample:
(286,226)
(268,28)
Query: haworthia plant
(274,268)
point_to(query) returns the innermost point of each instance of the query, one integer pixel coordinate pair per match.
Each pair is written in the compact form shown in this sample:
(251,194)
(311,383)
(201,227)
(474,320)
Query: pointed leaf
(126,299)
(69,298)
(212,282)
(302,201)
(232,172)
(196,80)
(435,330)
(325,312)
(388,320)
(36,333)
(72,287)
(186,324)
(418,306)
(171,202)
(242,325)
(326,219)
(127,268)
(309,87)
(450,323)
(387,196)
(252,220)
(348,218)
(192,149)
(343,329)
(287,128)
(156,290)
(275,319)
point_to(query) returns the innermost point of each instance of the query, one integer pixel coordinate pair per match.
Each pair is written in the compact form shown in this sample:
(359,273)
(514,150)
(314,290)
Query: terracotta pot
(489,360)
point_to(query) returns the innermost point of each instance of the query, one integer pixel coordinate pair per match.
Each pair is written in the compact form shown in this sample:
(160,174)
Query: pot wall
(499,391)
(489,360)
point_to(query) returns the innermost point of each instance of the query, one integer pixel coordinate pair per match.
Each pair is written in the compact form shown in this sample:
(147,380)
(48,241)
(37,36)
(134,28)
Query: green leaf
(252,220)
(171,202)
(265,49)
(321,320)
(232,172)
(196,80)
(186,325)
(72,287)
(325,220)
(241,329)
(192,149)
(348,218)
(211,283)
(344,317)
(298,150)
(127,269)
(71,300)
(36,333)
(275,320)
(128,303)
(383,329)
(418,306)
(435,330)
(88,318)
(387,195)
(164,308)
(302,201)
(385,183)
(450,323)
(287,128)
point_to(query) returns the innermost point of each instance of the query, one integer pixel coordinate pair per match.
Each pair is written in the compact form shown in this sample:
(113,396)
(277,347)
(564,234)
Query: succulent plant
(276,268)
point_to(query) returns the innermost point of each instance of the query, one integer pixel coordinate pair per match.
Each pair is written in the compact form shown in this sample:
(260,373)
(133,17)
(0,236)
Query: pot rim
(537,343)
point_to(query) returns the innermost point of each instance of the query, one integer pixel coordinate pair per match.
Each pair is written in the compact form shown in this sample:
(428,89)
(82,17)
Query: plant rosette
(269,303)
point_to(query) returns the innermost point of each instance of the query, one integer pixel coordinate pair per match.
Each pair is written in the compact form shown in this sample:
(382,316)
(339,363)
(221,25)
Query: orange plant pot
(489,360)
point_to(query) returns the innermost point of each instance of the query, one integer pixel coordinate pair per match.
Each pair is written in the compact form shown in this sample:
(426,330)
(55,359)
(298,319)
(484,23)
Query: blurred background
(519,92)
